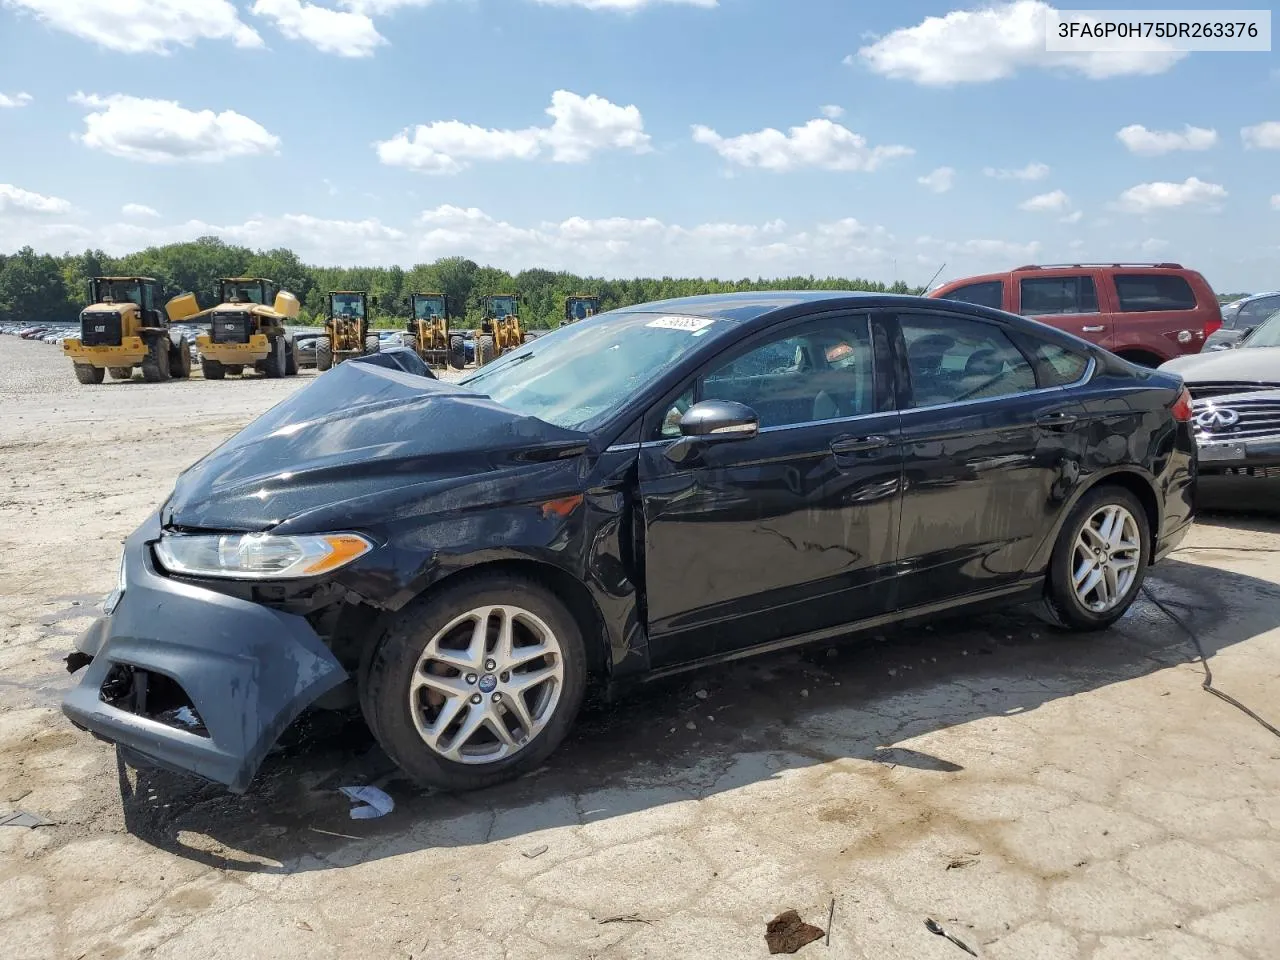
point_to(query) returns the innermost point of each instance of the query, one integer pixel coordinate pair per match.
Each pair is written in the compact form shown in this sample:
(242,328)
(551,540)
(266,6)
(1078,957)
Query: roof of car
(749,305)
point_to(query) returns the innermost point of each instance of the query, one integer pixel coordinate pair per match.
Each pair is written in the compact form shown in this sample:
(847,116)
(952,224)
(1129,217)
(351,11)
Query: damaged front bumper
(191,679)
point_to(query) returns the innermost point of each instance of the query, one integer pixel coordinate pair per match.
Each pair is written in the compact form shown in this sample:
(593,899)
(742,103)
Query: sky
(731,138)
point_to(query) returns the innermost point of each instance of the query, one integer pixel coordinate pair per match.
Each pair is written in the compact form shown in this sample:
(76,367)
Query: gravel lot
(1041,798)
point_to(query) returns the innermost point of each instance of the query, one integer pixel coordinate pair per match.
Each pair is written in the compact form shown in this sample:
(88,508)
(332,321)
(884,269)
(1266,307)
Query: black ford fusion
(647,490)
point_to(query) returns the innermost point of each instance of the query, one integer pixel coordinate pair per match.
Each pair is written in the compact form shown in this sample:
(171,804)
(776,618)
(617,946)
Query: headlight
(259,556)
(113,598)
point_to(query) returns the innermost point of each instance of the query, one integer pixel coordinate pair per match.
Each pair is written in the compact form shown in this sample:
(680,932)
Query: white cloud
(1032,171)
(1138,139)
(940,181)
(12,102)
(819,143)
(1075,216)
(1153,245)
(580,127)
(15,200)
(993,43)
(346,33)
(1275,201)
(1262,136)
(1076,244)
(832,112)
(1161,195)
(162,131)
(624,5)
(143,26)
(139,210)
(1053,202)
(377,8)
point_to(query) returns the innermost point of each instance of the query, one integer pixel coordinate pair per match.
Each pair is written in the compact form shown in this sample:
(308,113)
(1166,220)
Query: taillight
(1182,406)
(1212,326)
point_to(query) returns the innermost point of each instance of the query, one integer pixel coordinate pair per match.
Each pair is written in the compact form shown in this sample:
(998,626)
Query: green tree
(32,289)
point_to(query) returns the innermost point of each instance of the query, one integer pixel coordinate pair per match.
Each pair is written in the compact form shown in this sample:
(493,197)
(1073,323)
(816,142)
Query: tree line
(42,288)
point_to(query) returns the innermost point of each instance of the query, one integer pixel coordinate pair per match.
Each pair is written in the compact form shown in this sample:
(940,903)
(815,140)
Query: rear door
(1068,301)
(792,530)
(990,442)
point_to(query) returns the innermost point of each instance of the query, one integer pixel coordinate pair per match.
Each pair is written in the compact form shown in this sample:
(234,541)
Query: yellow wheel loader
(427,331)
(500,329)
(123,327)
(246,328)
(580,307)
(346,328)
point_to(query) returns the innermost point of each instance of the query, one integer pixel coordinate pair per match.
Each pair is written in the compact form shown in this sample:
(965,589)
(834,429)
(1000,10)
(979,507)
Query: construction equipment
(124,327)
(346,328)
(499,329)
(427,332)
(580,307)
(246,328)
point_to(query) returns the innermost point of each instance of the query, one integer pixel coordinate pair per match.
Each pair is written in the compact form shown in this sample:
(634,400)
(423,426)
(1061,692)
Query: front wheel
(87,373)
(212,369)
(372,344)
(457,353)
(484,350)
(274,365)
(1099,561)
(324,353)
(180,360)
(155,365)
(291,359)
(476,684)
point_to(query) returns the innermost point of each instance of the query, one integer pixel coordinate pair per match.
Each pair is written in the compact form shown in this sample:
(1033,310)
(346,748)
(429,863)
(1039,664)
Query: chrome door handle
(858,444)
(1056,419)
(1093,329)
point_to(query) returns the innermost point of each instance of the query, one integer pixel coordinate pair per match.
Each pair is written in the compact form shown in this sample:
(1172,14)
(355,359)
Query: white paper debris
(372,802)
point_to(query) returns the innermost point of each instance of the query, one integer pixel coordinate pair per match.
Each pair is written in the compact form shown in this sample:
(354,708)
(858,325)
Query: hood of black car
(358,430)
(1245,363)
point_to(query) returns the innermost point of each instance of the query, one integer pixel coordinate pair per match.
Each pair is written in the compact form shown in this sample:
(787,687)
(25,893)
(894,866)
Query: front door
(991,445)
(792,530)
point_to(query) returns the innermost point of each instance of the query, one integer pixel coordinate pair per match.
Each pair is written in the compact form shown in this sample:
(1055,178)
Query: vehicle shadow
(694,737)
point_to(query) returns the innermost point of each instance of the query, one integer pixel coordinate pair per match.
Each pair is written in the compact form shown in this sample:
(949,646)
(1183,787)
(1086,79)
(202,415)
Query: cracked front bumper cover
(248,670)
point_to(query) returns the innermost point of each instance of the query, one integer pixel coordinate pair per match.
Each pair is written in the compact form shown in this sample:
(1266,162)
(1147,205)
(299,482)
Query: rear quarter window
(1146,293)
(989,293)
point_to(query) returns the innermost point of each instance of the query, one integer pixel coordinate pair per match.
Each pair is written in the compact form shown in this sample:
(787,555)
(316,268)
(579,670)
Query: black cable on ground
(1207,685)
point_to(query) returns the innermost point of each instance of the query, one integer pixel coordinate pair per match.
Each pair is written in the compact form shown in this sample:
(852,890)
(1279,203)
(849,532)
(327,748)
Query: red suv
(1145,312)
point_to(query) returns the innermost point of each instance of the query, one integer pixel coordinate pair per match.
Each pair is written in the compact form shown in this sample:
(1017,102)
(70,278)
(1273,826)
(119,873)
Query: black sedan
(644,491)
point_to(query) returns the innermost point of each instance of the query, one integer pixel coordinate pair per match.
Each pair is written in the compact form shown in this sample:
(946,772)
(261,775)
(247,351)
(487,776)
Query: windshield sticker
(692,324)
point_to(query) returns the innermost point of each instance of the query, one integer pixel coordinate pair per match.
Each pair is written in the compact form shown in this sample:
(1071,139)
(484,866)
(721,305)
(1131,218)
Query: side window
(669,425)
(1057,366)
(1050,295)
(1255,311)
(1139,293)
(953,359)
(820,370)
(989,293)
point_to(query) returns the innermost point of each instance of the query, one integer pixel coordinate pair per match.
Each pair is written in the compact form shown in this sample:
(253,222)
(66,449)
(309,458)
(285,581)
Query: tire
(409,340)
(180,360)
(484,350)
(324,353)
(1063,605)
(155,365)
(372,345)
(235,369)
(457,353)
(120,373)
(212,369)
(290,359)
(276,361)
(87,373)
(386,676)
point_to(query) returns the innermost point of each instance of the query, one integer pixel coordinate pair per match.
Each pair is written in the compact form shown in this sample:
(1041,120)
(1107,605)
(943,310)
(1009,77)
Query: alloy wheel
(487,684)
(1105,559)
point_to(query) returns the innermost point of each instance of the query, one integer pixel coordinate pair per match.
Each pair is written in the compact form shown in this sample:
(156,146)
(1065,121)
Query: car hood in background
(356,431)
(1244,363)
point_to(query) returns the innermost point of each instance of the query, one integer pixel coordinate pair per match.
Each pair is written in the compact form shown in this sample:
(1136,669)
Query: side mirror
(719,420)
(1243,335)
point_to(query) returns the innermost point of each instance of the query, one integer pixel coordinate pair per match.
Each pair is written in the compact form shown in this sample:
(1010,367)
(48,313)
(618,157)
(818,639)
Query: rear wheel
(88,373)
(457,353)
(1141,358)
(155,365)
(120,373)
(180,360)
(476,684)
(484,350)
(324,353)
(1099,561)
(372,345)
(212,369)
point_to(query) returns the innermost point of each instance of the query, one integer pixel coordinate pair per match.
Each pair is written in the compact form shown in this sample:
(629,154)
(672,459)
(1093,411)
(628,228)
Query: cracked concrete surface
(1041,797)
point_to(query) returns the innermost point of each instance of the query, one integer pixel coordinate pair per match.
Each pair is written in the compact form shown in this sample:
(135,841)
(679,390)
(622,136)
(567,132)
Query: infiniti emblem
(1217,419)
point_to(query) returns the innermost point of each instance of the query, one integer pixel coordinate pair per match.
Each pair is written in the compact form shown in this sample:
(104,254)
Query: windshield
(1265,334)
(503,306)
(586,370)
(424,308)
(242,292)
(348,305)
(580,308)
(120,292)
